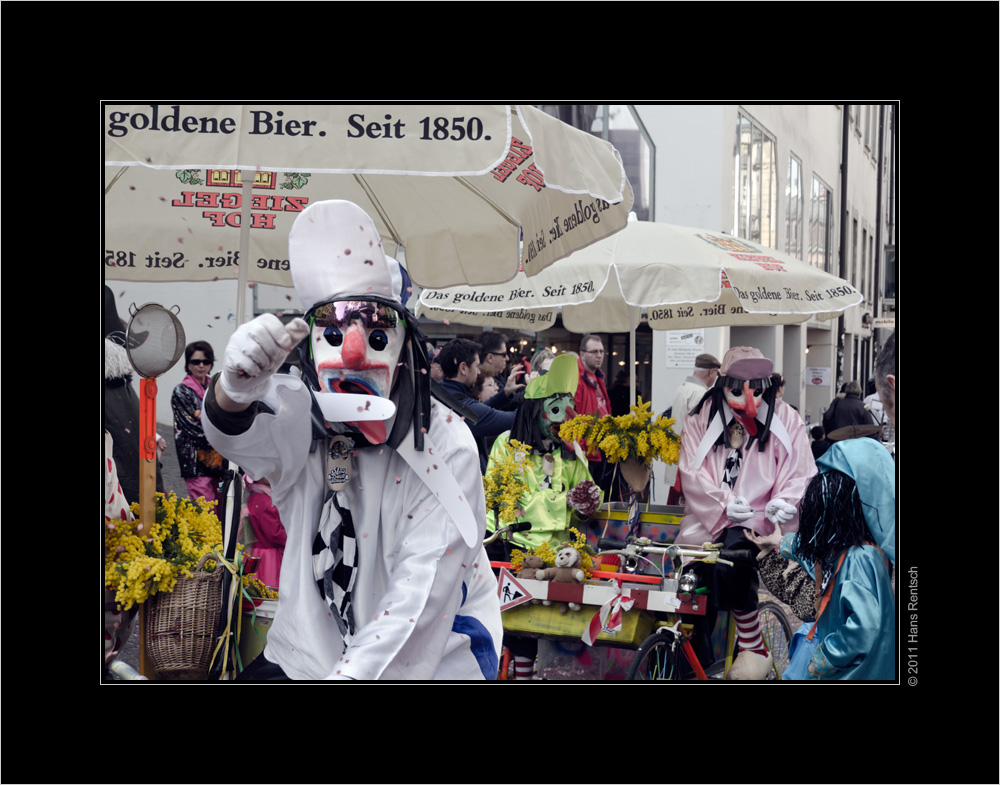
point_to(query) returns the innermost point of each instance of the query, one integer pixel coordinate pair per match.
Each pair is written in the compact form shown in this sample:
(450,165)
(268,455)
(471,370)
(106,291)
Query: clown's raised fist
(256,350)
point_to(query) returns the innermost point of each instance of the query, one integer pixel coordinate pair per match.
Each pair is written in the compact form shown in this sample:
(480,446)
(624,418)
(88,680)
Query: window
(755,197)
(863,288)
(871,266)
(619,125)
(889,289)
(793,216)
(820,225)
(852,270)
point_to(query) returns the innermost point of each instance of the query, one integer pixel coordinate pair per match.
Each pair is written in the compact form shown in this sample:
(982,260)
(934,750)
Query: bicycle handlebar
(708,552)
(518,526)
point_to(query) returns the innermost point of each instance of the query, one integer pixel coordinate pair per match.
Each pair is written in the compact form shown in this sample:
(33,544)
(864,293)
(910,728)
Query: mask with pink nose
(360,344)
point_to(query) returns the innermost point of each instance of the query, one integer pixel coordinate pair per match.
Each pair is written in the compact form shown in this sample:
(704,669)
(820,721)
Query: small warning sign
(511,592)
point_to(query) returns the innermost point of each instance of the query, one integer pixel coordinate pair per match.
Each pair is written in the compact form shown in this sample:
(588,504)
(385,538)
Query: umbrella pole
(245,220)
(147,492)
(631,355)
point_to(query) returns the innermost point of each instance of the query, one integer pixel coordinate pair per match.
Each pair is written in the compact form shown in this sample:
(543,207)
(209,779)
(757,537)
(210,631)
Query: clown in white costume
(384,574)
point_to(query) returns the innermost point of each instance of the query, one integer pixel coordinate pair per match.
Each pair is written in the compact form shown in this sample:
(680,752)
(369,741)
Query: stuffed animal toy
(567,570)
(530,567)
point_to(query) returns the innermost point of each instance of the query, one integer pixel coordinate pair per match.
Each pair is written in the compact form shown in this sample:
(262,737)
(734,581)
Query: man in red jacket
(592,398)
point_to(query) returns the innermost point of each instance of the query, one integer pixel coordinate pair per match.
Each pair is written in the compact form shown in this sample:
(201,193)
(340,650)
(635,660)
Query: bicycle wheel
(658,658)
(777,633)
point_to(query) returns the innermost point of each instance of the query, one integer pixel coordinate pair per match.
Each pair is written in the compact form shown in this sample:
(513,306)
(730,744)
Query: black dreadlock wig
(716,396)
(831,519)
(411,391)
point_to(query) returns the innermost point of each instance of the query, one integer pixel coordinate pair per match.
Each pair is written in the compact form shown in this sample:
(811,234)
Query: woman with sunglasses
(201,467)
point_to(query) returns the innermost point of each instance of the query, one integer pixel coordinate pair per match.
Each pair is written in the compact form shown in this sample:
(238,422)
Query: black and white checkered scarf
(335,560)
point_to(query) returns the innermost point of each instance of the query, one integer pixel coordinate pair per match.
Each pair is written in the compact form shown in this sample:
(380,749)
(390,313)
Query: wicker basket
(182,626)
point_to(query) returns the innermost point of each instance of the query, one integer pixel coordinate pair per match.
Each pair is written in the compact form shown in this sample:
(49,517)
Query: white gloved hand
(779,512)
(738,510)
(256,350)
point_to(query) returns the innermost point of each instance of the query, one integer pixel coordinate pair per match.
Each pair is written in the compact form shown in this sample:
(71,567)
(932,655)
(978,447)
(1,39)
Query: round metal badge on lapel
(338,462)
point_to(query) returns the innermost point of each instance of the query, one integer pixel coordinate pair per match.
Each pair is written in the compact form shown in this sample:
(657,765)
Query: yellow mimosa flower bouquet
(143,559)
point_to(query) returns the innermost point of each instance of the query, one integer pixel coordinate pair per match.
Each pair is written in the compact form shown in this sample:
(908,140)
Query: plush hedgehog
(567,570)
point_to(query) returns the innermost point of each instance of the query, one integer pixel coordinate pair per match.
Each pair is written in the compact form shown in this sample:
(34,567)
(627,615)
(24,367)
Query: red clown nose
(353,352)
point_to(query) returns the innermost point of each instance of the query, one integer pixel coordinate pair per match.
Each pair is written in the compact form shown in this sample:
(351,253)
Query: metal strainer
(155,340)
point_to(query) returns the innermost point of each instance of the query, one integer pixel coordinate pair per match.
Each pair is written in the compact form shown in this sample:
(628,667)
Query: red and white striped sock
(748,632)
(523,667)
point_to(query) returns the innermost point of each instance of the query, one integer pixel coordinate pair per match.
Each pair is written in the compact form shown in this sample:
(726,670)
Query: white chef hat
(335,252)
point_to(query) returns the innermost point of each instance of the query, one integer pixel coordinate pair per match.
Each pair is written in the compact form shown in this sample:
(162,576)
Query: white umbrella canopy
(683,278)
(453,190)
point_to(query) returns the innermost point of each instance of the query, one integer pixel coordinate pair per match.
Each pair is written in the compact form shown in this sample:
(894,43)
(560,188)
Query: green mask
(556,409)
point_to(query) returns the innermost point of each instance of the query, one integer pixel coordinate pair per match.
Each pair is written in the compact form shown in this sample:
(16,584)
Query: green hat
(562,379)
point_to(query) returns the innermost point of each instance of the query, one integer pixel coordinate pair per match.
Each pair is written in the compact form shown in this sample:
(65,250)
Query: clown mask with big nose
(357,345)
(744,401)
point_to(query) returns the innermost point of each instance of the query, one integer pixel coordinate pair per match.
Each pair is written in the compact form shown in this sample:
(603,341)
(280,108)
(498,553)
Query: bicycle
(658,657)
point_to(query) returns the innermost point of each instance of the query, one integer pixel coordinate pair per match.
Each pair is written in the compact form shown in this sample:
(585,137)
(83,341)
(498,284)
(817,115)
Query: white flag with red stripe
(609,618)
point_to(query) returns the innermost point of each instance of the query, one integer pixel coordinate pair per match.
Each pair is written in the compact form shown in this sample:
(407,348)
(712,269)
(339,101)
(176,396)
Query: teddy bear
(566,570)
(530,567)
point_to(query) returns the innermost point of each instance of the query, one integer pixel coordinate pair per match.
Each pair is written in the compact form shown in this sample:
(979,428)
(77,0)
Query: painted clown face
(357,345)
(744,401)
(556,409)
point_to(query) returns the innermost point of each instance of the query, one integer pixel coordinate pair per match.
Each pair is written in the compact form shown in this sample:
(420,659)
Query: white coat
(425,602)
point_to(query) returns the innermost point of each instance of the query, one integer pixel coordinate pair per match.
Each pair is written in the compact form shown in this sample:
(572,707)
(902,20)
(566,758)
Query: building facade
(814,181)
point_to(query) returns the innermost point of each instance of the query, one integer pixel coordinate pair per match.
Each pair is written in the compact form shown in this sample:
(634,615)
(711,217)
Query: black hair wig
(831,519)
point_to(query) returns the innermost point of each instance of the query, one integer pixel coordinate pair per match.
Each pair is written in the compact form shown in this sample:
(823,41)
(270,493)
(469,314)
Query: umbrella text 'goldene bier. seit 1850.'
(460,194)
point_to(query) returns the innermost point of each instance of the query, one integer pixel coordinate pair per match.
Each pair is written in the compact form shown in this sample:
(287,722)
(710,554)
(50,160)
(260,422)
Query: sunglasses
(339,314)
(200,362)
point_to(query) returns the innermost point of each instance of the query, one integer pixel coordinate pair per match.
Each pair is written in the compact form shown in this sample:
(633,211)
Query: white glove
(256,350)
(779,512)
(738,510)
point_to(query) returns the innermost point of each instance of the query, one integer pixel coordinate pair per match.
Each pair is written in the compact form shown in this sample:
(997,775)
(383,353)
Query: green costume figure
(560,492)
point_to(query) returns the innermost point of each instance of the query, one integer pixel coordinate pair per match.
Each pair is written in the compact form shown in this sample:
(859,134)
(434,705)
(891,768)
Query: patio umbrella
(683,278)
(460,194)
